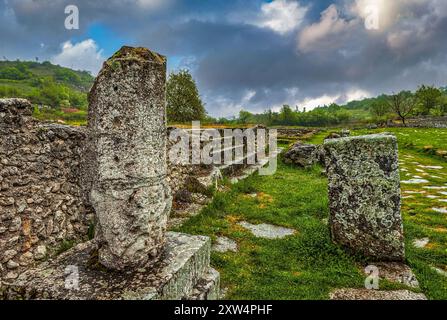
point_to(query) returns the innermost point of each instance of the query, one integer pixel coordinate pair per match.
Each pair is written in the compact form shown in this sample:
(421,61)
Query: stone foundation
(182,272)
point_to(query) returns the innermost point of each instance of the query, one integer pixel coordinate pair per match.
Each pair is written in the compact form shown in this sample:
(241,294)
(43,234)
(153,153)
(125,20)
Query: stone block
(182,272)
(364,195)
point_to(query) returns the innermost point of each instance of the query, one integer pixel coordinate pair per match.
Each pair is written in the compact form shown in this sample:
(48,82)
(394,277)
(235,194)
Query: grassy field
(426,140)
(308,265)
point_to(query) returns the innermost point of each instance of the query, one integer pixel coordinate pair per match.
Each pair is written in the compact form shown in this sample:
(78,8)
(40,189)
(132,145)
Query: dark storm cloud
(239,60)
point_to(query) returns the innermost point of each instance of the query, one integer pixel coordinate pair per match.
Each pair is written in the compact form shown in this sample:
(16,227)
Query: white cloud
(282,16)
(84,55)
(151,4)
(312,103)
(353,95)
(325,100)
(322,34)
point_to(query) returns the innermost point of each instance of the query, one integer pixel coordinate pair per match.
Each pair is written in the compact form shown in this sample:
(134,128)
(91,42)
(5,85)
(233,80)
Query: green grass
(78,118)
(308,265)
(303,266)
(416,139)
(420,221)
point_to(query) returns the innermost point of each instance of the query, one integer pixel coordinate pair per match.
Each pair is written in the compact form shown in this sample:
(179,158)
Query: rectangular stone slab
(364,195)
(184,262)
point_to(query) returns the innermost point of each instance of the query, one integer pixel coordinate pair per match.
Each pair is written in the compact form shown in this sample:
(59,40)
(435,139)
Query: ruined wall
(424,122)
(43,193)
(41,201)
(43,204)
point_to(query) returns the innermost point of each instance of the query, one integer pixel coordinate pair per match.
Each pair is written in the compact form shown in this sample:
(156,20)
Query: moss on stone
(138,53)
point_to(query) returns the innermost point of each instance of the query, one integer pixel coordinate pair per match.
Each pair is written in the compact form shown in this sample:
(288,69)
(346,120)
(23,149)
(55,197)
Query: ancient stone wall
(424,122)
(44,207)
(41,201)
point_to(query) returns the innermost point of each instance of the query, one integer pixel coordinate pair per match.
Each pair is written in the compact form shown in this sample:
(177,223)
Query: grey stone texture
(182,272)
(397,272)
(127,132)
(303,155)
(364,294)
(224,244)
(51,177)
(267,231)
(42,203)
(207,288)
(364,195)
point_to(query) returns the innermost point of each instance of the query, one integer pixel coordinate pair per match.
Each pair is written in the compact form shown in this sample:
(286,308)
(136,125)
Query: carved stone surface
(364,195)
(127,128)
(182,272)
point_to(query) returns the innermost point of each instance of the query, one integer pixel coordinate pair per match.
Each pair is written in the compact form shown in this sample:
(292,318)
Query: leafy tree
(443,103)
(287,115)
(244,117)
(428,97)
(380,110)
(183,99)
(13,73)
(403,104)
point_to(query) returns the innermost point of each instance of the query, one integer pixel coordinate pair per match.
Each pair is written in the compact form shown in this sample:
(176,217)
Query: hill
(45,84)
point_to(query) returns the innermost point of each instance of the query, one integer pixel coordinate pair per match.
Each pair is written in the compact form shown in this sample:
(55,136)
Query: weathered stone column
(127,124)
(364,195)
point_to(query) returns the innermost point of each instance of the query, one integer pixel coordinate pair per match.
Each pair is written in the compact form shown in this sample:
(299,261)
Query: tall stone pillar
(364,195)
(127,125)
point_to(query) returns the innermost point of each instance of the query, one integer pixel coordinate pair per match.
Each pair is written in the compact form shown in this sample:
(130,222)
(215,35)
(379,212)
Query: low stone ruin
(295,133)
(304,155)
(42,200)
(124,178)
(364,195)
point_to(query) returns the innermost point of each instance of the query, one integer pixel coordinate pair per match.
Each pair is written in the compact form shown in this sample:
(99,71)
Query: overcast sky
(248,54)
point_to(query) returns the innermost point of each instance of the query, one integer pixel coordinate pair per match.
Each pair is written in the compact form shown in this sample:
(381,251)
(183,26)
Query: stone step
(207,288)
(76,275)
(364,294)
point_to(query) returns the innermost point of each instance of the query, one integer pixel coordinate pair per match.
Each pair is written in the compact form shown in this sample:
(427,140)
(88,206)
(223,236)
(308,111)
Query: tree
(244,117)
(403,104)
(286,115)
(428,97)
(380,110)
(443,103)
(183,99)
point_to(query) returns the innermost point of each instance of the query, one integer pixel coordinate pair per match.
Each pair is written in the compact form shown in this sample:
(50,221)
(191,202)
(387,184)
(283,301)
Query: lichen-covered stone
(207,288)
(364,195)
(364,294)
(127,128)
(181,272)
(303,155)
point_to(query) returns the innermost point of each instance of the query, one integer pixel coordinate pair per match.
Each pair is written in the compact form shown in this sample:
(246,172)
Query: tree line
(58,87)
(426,101)
(185,105)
